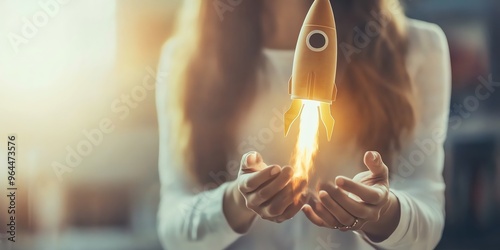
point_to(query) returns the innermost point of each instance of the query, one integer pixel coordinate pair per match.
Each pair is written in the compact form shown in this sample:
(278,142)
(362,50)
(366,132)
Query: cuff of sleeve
(217,218)
(404,222)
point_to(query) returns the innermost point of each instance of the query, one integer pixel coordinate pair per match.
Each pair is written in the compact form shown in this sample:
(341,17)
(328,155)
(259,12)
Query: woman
(229,64)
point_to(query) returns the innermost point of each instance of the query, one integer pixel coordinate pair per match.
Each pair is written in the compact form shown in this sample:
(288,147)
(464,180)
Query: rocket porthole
(317,40)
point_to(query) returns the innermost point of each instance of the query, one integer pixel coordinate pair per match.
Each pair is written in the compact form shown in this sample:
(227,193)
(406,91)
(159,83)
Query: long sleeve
(416,174)
(188,217)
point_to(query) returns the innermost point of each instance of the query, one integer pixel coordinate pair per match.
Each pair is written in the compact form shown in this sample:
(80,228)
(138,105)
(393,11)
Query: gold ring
(356,221)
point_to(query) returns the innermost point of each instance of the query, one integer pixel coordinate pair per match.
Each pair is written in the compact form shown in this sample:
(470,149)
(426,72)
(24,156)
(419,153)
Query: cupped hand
(348,204)
(269,191)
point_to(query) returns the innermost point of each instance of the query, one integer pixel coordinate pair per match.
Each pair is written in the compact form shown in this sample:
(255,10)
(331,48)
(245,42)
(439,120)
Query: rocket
(314,66)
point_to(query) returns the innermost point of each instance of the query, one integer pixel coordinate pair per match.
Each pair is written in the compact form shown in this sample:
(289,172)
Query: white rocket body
(315,65)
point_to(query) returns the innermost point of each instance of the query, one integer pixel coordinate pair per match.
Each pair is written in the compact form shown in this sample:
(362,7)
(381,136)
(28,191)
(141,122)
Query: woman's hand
(362,203)
(269,191)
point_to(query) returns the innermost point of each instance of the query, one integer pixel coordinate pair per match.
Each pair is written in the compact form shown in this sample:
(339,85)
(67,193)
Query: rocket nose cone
(320,13)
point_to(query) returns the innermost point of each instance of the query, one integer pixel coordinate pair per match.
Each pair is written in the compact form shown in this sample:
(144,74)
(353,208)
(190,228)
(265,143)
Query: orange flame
(307,142)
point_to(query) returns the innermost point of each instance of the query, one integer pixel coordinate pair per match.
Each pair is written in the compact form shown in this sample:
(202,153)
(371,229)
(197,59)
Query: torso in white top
(419,187)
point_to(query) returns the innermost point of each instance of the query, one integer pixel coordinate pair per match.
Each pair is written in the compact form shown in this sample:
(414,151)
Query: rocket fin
(327,119)
(292,114)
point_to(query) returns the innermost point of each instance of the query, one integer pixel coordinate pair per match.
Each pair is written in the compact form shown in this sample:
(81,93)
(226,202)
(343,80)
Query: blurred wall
(73,91)
(472,168)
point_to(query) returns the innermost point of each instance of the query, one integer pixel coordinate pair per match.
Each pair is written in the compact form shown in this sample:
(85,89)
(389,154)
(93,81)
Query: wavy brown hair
(213,70)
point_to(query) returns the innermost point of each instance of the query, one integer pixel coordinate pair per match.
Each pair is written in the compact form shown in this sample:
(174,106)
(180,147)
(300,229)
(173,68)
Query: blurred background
(472,169)
(74,81)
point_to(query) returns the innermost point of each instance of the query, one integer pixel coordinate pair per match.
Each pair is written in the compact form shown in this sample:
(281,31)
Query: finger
(343,207)
(277,204)
(325,215)
(251,162)
(313,217)
(373,161)
(269,190)
(251,181)
(344,217)
(369,194)
(291,210)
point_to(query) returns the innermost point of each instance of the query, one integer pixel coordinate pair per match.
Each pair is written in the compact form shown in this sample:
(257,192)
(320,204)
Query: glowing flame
(307,142)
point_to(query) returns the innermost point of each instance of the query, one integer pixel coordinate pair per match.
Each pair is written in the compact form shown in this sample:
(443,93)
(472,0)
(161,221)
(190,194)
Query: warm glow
(307,142)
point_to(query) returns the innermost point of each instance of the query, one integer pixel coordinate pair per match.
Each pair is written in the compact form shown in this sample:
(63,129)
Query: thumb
(251,162)
(373,161)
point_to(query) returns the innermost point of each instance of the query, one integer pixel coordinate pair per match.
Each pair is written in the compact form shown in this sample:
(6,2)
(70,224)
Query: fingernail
(340,181)
(275,170)
(323,193)
(250,158)
(374,156)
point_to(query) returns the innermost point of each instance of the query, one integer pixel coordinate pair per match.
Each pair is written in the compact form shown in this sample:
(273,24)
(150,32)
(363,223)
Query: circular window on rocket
(317,40)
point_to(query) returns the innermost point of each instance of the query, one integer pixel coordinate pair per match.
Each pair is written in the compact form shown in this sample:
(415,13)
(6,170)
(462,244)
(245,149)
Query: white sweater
(190,218)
